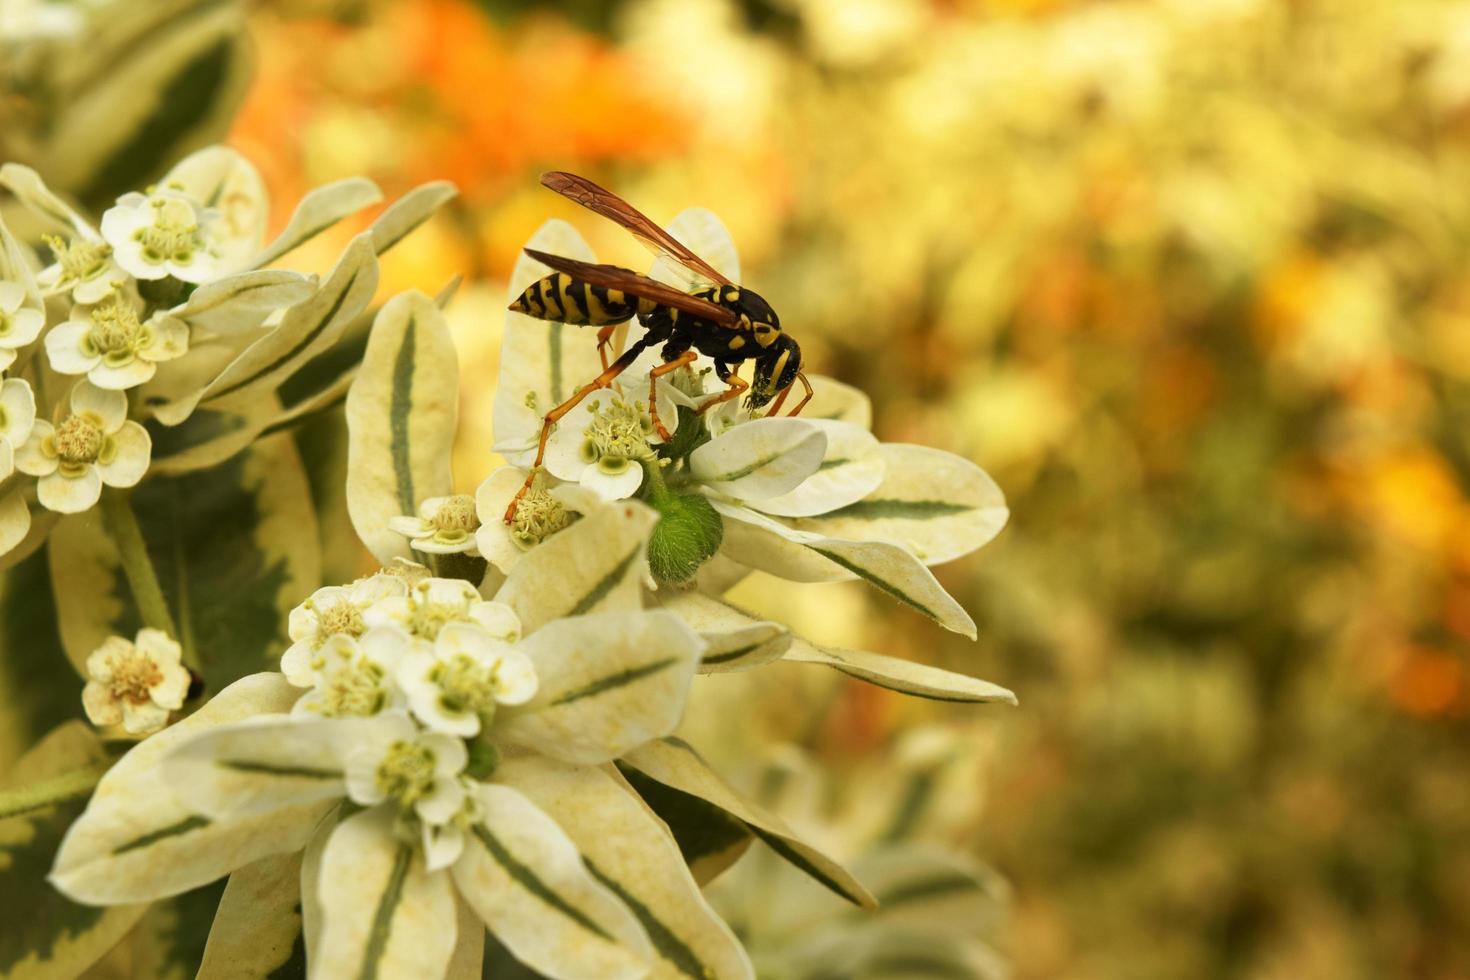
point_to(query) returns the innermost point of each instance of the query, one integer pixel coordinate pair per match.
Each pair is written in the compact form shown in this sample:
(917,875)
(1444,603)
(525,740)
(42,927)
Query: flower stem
(68,786)
(653,479)
(142,579)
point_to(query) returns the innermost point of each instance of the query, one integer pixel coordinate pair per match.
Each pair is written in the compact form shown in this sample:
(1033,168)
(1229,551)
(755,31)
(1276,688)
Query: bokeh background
(1188,277)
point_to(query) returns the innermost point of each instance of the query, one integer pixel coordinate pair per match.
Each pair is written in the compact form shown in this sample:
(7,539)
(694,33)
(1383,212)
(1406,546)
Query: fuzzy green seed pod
(687,535)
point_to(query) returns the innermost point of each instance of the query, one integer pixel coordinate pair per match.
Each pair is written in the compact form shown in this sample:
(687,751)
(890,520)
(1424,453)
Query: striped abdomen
(567,300)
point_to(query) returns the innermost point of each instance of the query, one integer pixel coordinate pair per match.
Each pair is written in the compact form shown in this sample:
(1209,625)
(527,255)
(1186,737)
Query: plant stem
(142,579)
(653,478)
(68,786)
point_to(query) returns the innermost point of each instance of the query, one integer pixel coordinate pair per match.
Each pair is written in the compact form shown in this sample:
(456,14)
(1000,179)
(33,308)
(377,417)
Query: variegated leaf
(224,180)
(242,301)
(383,914)
(934,504)
(31,190)
(541,362)
(851,468)
(834,401)
(401,413)
(257,930)
(734,640)
(771,546)
(607,683)
(410,211)
(139,841)
(15,520)
(319,210)
(37,685)
(46,935)
(595,565)
(256,508)
(630,851)
(760,459)
(523,877)
(904,676)
(676,764)
(709,839)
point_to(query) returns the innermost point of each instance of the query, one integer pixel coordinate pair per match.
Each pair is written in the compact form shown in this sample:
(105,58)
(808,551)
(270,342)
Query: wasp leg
(737,386)
(549,420)
(604,337)
(776,405)
(685,358)
(804,398)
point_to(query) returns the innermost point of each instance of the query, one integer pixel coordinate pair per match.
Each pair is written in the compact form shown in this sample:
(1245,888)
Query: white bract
(19,324)
(17,418)
(163,233)
(93,444)
(135,684)
(108,343)
(431,604)
(444,526)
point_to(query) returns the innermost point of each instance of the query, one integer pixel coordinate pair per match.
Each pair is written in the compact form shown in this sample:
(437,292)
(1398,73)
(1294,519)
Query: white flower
(94,444)
(332,611)
(601,444)
(17,418)
(84,266)
(19,323)
(433,603)
(417,770)
(164,233)
(135,684)
(445,525)
(354,678)
(542,512)
(455,687)
(108,344)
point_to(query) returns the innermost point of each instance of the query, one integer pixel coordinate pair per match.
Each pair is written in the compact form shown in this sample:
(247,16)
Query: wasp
(723,321)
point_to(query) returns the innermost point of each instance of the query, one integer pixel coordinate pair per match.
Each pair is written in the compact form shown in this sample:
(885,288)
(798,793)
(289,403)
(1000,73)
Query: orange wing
(630,282)
(614,208)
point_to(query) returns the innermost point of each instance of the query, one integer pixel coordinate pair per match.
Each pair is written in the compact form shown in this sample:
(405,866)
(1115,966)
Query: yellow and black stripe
(567,300)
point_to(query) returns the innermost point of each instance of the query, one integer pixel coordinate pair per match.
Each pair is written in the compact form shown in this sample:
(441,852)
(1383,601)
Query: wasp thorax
(538,516)
(79,440)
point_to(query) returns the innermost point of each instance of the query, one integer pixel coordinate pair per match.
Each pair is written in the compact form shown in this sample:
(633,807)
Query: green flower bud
(687,535)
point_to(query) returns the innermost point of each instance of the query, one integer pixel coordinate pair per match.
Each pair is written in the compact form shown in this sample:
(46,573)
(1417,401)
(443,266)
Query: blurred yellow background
(1188,277)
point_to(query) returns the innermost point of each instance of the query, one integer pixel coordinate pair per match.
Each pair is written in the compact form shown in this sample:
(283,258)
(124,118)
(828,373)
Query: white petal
(296,664)
(108,407)
(443,844)
(12,295)
(122,376)
(143,718)
(851,468)
(100,286)
(17,409)
(389,612)
(64,348)
(760,459)
(564,457)
(170,339)
(133,449)
(30,459)
(448,591)
(517,678)
(374,588)
(450,755)
(612,479)
(25,326)
(385,646)
(67,494)
(410,527)
(99,704)
(428,707)
(442,802)
(7,459)
(498,620)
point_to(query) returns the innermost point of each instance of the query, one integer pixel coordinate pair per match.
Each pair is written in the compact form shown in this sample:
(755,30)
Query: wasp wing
(614,208)
(633,284)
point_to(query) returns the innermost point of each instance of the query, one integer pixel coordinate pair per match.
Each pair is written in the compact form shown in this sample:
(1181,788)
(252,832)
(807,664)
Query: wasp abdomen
(565,299)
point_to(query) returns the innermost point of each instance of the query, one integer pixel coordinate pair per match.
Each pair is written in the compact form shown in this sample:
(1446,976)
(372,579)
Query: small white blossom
(164,233)
(601,445)
(417,770)
(542,512)
(354,678)
(455,687)
(84,267)
(445,525)
(17,418)
(108,344)
(433,603)
(331,611)
(19,324)
(136,684)
(94,444)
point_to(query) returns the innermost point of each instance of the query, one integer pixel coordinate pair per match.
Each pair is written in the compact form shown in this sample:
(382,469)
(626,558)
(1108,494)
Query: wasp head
(775,371)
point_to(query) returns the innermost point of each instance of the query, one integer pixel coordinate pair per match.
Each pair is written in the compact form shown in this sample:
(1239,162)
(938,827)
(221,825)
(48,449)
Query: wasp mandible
(723,321)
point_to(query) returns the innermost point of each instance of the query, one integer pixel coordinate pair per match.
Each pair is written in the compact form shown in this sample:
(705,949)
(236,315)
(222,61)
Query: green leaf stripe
(746,470)
(606,584)
(870,677)
(613,681)
(881,583)
(528,880)
(735,654)
(669,946)
(377,940)
(949,883)
(793,855)
(399,410)
(272,769)
(832,464)
(893,509)
(184,826)
(301,345)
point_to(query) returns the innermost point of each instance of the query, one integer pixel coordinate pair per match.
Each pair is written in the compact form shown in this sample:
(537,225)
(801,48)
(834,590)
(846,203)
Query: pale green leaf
(319,210)
(760,459)
(709,839)
(31,190)
(734,639)
(607,683)
(383,914)
(408,212)
(934,504)
(629,850)
(523,877)
(15,520)
(401,413)
(851,468)
(242,301)
(904,676)
(257,929)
